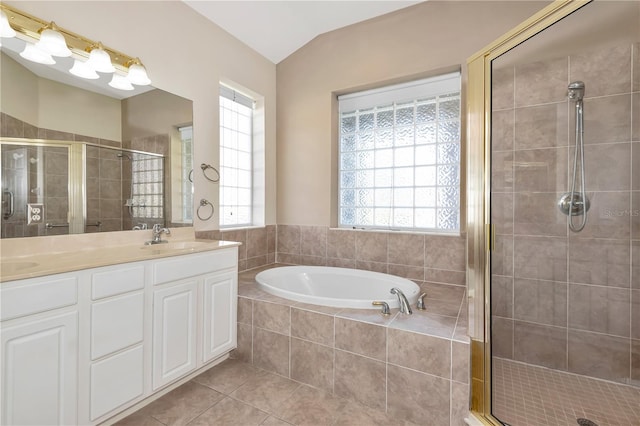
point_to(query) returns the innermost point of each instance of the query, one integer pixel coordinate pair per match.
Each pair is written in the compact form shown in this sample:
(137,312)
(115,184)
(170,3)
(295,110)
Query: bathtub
(337,287)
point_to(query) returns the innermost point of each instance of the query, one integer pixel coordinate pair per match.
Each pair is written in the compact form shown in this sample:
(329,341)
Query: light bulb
(53,42)
(33,54)
(138,74)
(100,60)
(120,82)
(5,27)
(82,70)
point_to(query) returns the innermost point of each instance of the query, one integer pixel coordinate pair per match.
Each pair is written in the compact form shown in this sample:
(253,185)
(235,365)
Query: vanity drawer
(117,281)
(39,295)
(176,268)
(116,323)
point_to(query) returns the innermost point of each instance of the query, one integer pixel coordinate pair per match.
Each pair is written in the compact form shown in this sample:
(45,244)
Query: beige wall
(421,40)
(185,54)
(154,112)
(17,99)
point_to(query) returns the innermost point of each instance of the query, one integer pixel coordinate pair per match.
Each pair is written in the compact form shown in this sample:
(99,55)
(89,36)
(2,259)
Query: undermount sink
(175,245)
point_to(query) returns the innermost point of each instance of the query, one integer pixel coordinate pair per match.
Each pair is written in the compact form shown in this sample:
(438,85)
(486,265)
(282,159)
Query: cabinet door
(220,311)
(174,332)
(39,371)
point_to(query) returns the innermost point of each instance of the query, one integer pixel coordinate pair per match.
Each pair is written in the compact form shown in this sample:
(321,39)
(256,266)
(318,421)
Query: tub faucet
(157,234)
(405,308)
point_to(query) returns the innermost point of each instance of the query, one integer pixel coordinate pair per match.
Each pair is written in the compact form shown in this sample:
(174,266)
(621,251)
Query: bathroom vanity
(80,347)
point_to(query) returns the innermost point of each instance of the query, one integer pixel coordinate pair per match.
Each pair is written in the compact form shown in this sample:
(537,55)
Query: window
(147,187)
(236,149)
(399,156)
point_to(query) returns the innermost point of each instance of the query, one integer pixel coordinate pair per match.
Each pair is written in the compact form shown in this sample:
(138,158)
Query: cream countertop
(31,257)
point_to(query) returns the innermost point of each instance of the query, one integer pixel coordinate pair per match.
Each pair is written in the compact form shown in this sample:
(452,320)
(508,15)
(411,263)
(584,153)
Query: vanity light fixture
(99,59)
(5,27)
(120,82)
(33,54)
(82,70)
(52,41)
(45,39)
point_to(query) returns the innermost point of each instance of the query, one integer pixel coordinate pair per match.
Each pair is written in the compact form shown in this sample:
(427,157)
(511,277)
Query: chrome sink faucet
(157,234)
(405,308)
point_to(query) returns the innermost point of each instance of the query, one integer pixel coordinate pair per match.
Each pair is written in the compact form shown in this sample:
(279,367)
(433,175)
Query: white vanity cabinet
(81,347)
(39,351)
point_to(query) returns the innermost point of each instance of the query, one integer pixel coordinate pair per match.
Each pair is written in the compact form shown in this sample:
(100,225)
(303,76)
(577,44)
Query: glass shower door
(565,265)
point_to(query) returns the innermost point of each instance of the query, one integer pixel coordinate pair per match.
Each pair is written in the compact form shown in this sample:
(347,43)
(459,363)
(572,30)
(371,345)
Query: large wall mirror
(79,156)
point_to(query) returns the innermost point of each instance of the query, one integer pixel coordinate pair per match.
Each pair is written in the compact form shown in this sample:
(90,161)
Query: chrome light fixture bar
(45,40)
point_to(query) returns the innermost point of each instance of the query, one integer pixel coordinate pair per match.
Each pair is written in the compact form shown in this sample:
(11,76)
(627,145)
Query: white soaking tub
(337,287)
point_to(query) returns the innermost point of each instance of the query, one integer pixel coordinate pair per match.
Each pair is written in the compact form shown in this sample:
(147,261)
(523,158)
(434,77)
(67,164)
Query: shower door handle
(11,203)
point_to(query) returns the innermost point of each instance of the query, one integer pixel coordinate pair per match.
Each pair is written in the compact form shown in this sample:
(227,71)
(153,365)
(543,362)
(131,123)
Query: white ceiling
(276,29)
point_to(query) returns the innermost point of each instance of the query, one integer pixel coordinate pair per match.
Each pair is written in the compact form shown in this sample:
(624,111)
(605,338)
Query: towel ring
(204,168)
(190,176)
(203,203)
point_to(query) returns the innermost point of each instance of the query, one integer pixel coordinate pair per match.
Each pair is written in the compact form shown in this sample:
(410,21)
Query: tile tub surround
(563,300)
(413,368)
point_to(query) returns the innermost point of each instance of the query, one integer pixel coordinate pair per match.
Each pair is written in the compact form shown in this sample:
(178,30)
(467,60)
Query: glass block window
(186,139)
(399,156)
(147,185)
(236,166)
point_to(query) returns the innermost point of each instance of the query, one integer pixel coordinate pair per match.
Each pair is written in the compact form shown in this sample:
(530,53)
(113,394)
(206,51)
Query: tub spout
(405,308)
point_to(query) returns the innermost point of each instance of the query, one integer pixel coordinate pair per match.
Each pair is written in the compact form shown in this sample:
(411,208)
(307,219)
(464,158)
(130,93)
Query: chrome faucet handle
(421,304)
(385,307)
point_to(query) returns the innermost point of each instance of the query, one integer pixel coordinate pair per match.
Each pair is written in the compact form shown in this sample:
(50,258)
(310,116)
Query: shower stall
(554,218)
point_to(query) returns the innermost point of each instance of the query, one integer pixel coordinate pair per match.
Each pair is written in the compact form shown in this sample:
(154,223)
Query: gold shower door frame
(479,228)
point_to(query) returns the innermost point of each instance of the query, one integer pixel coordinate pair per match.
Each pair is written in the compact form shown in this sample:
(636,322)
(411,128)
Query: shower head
(576,91)
(123,155)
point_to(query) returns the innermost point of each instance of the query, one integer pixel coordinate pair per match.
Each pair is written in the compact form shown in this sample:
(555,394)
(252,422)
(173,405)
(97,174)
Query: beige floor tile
(228,376)
(273,421)
(138,419)
(183,404)
(309,406)
(230,412)
(266,391)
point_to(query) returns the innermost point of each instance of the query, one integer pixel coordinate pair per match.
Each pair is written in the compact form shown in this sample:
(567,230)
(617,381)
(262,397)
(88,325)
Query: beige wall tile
(361,379)
(541,170)
(600,309)
(607,119)
(341,263)
(542,258)
(425,322)
(312,326)
(341,244)
(502,337)
(502,296)
(541,82)
(502,88)
(599,262)
(502,256)
(406,249)
(502,212)
(444,276)
(635,314)
(445,252)
(635,265)
(290,259)
(371,246)
(365,339)
(312,364)
(542,126)
(534,213)
(598,355)
(314,240)
(272,316)
(604,72)
(609,166)
(608,216)
(256,242)
(542,302)
(459,403)
(245,309)
(408,272)
(417,396)
(313,260)
(635,117)
(239,235)
(244,351)
(372,266)
(271,351)
(502,130)
(420,352)
(635,359)
(288,239)
(460,362)
(271,238)
(540,344)
(502,177)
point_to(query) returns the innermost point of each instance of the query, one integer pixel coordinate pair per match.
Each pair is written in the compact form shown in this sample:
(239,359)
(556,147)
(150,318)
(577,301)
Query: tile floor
(526,395)
(235,393)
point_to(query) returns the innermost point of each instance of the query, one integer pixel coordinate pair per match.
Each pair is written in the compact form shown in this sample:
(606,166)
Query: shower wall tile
(110,169)
(635,215)
(541,82)
(599,355)
(502,296)
(635,117)
(635,164)
(502,334)
(542,302)
(12,127)
(502,177)
(607,119)
(541,170)
(502,135)
(502,256)
(599,262)
(608,167)
(535,213)
(313,240)
(543,258)
(636,67)
(599,309)
(609,215)
(542,126)
(406,249)
(371,246)
(635,264)
(540,344)
(502,212)
(635,314)
(635,360)
(502,88)
(604,72)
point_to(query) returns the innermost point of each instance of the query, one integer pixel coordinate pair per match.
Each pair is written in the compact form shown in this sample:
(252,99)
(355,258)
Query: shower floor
(526,395)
